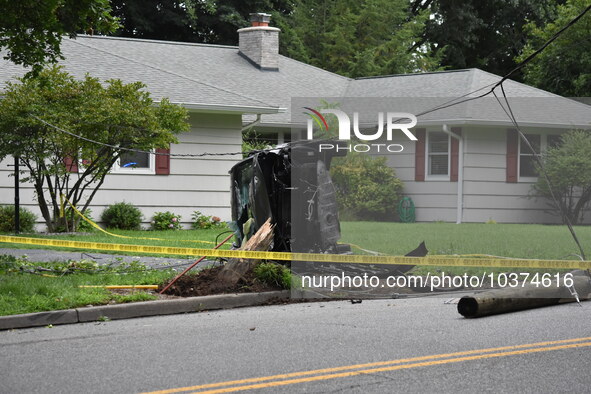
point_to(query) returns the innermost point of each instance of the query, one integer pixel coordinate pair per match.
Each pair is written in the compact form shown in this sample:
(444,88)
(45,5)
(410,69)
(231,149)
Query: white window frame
(429,177)
(117,169)
(543,147)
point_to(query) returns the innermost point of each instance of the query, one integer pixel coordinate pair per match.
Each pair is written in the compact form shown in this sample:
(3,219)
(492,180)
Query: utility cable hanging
(132,149)
(565,218)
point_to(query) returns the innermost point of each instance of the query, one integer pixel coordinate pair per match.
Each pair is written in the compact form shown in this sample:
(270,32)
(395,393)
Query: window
(135,162)
(438,154)
(526,156)
(539,143)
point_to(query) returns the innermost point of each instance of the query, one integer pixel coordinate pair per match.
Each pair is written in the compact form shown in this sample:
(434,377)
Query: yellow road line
(394,368)
(366,365)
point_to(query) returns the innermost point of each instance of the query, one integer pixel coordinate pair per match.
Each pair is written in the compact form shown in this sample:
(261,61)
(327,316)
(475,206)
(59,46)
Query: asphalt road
(413,345)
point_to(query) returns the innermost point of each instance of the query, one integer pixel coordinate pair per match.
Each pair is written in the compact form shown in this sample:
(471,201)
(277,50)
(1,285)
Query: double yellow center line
(382,366)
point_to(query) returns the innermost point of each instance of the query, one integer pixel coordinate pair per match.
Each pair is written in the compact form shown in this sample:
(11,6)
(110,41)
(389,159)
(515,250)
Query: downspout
(460,192)
(252,124)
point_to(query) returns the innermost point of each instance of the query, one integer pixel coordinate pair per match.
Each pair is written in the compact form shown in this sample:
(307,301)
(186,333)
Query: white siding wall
(486,193)
(193,184)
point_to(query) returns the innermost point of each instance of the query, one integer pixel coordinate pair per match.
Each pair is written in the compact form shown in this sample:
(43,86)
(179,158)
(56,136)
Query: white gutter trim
(460,193)
(474,122)
(243,109)
(480,122)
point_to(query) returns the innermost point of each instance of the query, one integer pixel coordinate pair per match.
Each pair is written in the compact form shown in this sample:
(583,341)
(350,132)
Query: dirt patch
(206,283)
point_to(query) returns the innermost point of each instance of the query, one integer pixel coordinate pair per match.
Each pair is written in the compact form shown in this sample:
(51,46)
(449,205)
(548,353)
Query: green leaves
(32,30)
(358,38)
(564,67)
(568,167)
(115,115)
(367,189)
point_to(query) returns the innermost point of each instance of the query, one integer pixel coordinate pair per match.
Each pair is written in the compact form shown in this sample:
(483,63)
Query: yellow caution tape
(438,261)
(93,224)
(114,287)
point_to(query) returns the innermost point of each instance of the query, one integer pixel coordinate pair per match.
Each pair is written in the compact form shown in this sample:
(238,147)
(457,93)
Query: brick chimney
(260,42)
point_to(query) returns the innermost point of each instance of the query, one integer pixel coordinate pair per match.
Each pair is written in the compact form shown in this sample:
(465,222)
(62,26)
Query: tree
(564,67)
(207,21)
(358,38)
(568,167)
(367,189)
(32,30)
(118,115)
(481,34)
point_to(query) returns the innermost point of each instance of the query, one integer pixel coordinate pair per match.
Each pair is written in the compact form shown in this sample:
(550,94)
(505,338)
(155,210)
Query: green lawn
(183,238)
(22,291)
(510,240)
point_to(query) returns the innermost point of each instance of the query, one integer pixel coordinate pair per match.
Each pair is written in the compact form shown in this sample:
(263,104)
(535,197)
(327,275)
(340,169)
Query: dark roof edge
(415,74)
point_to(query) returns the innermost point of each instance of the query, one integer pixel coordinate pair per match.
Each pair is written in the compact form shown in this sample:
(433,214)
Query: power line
(538,160)
(132,149)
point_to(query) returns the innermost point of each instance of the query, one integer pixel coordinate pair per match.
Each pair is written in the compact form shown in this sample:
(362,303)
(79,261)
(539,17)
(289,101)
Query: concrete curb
(140,309)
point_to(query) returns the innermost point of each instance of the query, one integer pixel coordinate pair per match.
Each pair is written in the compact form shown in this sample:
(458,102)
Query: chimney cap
(260,19)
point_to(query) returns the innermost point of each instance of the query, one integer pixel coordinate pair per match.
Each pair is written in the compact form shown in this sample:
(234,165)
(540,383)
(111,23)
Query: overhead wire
(540,164)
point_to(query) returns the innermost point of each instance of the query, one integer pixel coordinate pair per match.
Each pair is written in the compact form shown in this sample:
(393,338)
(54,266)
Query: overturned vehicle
(290,184)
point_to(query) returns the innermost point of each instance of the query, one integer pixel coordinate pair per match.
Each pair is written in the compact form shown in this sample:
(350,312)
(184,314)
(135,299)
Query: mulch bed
(205,283)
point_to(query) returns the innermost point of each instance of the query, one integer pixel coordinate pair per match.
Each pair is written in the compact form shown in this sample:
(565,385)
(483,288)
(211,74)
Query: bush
(166,221)
(123,216)
(273,274)
(82,225)
(367,189)
(27,219)
(201,221)
(568,167)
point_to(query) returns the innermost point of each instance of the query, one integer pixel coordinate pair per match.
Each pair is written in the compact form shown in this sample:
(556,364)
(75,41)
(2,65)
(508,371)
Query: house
(468,164)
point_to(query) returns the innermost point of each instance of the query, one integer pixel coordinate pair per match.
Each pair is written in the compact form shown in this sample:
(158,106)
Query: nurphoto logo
(344,130)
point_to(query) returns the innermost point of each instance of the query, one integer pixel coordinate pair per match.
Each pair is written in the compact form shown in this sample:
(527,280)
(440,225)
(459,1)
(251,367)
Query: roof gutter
(239,109)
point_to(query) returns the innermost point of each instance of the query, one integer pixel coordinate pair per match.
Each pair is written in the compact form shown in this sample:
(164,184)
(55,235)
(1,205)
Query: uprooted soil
(205,283)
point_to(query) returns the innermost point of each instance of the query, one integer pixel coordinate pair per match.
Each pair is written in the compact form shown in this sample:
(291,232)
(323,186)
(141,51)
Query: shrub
(83,225)
(27,219)
(201,221)
(367,189)
(123,216)
(273,274)
(166,221)
(568,167)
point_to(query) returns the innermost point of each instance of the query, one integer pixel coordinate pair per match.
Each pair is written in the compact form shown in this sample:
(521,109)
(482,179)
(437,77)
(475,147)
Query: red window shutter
(420,155)
(71,164)
(162,161)
(455,154)
(512,155)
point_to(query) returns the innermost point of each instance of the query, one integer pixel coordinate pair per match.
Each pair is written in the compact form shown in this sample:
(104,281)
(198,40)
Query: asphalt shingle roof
(220,76)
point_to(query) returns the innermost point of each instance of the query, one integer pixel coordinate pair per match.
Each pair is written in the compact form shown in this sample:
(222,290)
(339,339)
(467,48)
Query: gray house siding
(193,184)
(487,195)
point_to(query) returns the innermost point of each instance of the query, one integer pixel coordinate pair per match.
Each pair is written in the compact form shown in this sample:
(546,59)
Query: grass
(23,289)
(511,240)
(183,238)
(24,292)
(529,241)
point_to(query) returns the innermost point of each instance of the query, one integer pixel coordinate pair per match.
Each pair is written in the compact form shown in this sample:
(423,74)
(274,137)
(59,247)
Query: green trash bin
(406,210)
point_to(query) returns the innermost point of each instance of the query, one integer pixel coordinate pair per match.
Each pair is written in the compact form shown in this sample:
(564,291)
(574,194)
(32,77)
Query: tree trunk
(235,269)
